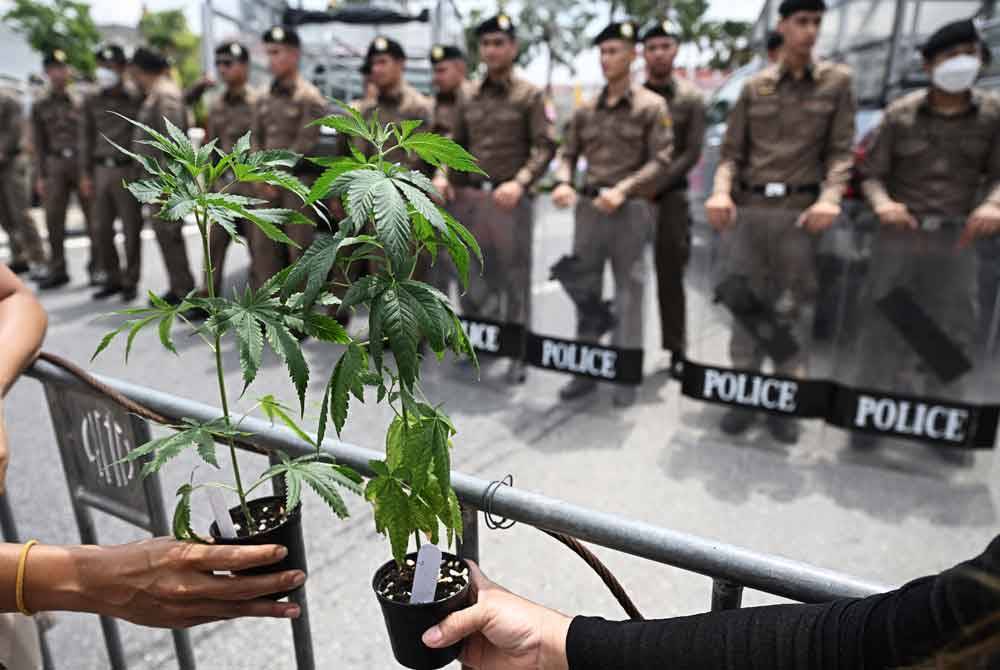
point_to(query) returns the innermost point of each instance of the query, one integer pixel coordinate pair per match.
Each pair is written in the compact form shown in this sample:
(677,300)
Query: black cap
(443,52)
(384,45)
(366,67)
(775,40)
(233,50)
(958,32)
(55,57)
(149,60)
(789,7)
(282,35)
(617,30)
(666,28)
(500,23)
(111,53)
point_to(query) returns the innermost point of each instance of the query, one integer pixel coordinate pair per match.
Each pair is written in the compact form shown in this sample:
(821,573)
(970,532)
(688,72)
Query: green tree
(168,31)
(57,24)
(559,29)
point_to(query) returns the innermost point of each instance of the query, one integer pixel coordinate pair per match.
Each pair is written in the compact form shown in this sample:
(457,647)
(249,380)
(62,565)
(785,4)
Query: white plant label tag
(222,519)
(426,578)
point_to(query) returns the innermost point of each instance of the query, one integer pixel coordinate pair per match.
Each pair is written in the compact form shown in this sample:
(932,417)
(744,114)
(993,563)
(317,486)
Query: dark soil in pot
(275,525)
(407,622)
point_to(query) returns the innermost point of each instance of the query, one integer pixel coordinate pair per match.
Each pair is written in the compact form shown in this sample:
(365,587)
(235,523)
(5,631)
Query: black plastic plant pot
(407,623)
(288,533)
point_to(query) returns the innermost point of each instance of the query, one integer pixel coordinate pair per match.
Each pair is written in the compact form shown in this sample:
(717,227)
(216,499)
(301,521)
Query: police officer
(504,124)
(55,125)
(26,252)
(936,151)
(395,100)
(625,136)
(450,85)
(151,71)
(673,228)
(230,117)
(786,159)
(103,169)
(283,115)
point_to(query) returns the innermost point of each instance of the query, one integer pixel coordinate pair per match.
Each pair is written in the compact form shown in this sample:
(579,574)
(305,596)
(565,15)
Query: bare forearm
(22,329)
(51,578)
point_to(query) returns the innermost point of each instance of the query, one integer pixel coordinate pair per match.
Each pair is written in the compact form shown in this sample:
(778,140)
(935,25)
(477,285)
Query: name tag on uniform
(775,190)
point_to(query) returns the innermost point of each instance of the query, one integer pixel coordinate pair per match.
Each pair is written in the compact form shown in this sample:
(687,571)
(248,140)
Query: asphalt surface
(887,517)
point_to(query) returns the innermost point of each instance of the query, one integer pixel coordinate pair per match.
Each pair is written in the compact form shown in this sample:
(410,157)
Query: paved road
(895,515)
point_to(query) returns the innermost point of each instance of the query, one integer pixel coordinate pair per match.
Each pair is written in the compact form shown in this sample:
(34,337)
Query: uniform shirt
(98,123)
(627,145)
(687,109)
(935,164)
(231,117)
(11,119)
(505,126)
(283,114)
(55,127)
(794,131)
(164,100)
(403,104)
(446,108)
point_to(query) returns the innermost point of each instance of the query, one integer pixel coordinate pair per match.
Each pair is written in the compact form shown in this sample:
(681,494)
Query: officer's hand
(40,187)
(564,196)
(444,187)
(896,215)
(609,200)
(983,222)
(819,217)
(721,211)
(508,194)
(86,187)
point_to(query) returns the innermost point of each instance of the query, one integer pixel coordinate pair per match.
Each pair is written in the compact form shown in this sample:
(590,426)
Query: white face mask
(106,77)
(957,74)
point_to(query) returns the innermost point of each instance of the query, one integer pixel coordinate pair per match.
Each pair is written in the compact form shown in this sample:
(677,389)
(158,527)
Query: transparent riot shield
(765,299)
(917,366)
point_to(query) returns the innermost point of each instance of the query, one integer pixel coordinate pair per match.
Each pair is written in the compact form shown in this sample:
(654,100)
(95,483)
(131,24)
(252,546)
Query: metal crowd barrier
(731,568)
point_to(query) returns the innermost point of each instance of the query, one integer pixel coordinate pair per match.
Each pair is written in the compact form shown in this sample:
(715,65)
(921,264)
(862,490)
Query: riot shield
(765,300)
(918,363)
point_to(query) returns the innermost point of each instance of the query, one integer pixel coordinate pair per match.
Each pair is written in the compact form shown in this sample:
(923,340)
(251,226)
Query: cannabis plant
(391,220)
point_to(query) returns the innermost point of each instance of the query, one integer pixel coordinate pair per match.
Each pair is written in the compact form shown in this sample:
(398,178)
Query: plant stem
(203,229)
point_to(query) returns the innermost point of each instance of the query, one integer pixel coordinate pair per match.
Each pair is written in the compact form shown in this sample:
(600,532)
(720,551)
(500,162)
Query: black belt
(782,190)
(112,161)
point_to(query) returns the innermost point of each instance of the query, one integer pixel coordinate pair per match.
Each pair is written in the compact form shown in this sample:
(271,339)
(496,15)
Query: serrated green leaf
(344,377)
(182,514)
(274,409)
(166,323)
(399,317)
(289,351)
(392,225)
(146,191)
(392,514)
(324,183)
(293,490)
(407,126)
(274,158)
(205,445)
(250,341)
(135,327)
(422,204)
(463,233)
(243,144)
(364,290)
(325,328)
(438,151)
(376,333)
(433,317)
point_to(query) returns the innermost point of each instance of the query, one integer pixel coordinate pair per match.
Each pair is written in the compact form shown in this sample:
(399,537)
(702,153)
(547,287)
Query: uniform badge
(235,50)
(106,54)
(437,53)
(766,88)
(278,34)
(59,56)
(667,27)
(627,30)
(380,44)
(667,121)
(503,22)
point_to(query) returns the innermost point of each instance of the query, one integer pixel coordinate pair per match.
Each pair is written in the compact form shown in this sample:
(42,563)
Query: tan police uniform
(23,238)
(108,168)
(281,123)
(55,122)
(788,143)
(627,146)
(229,118)
(164,101)
(446,106)
(940,167)
(673,227)
(505,126)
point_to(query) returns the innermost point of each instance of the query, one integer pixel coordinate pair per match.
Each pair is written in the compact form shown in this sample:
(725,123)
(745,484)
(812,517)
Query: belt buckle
(486,186)
(67,152)
(931,224)
(775,190)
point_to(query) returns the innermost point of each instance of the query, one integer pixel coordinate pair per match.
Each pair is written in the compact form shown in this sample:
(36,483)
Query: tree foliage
(168,32)
(57,24)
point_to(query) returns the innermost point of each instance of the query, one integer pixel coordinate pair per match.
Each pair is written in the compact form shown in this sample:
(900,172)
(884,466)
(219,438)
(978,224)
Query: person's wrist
(553,652)
(55,578)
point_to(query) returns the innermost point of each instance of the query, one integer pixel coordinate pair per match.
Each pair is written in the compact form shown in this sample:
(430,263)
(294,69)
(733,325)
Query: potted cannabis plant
(391,220)
(192,183)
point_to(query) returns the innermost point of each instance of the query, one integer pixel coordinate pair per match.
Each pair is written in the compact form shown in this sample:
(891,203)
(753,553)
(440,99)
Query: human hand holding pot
(503,631)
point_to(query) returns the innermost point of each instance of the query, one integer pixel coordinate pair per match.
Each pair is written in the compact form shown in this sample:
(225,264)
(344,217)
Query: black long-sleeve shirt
(888,630)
